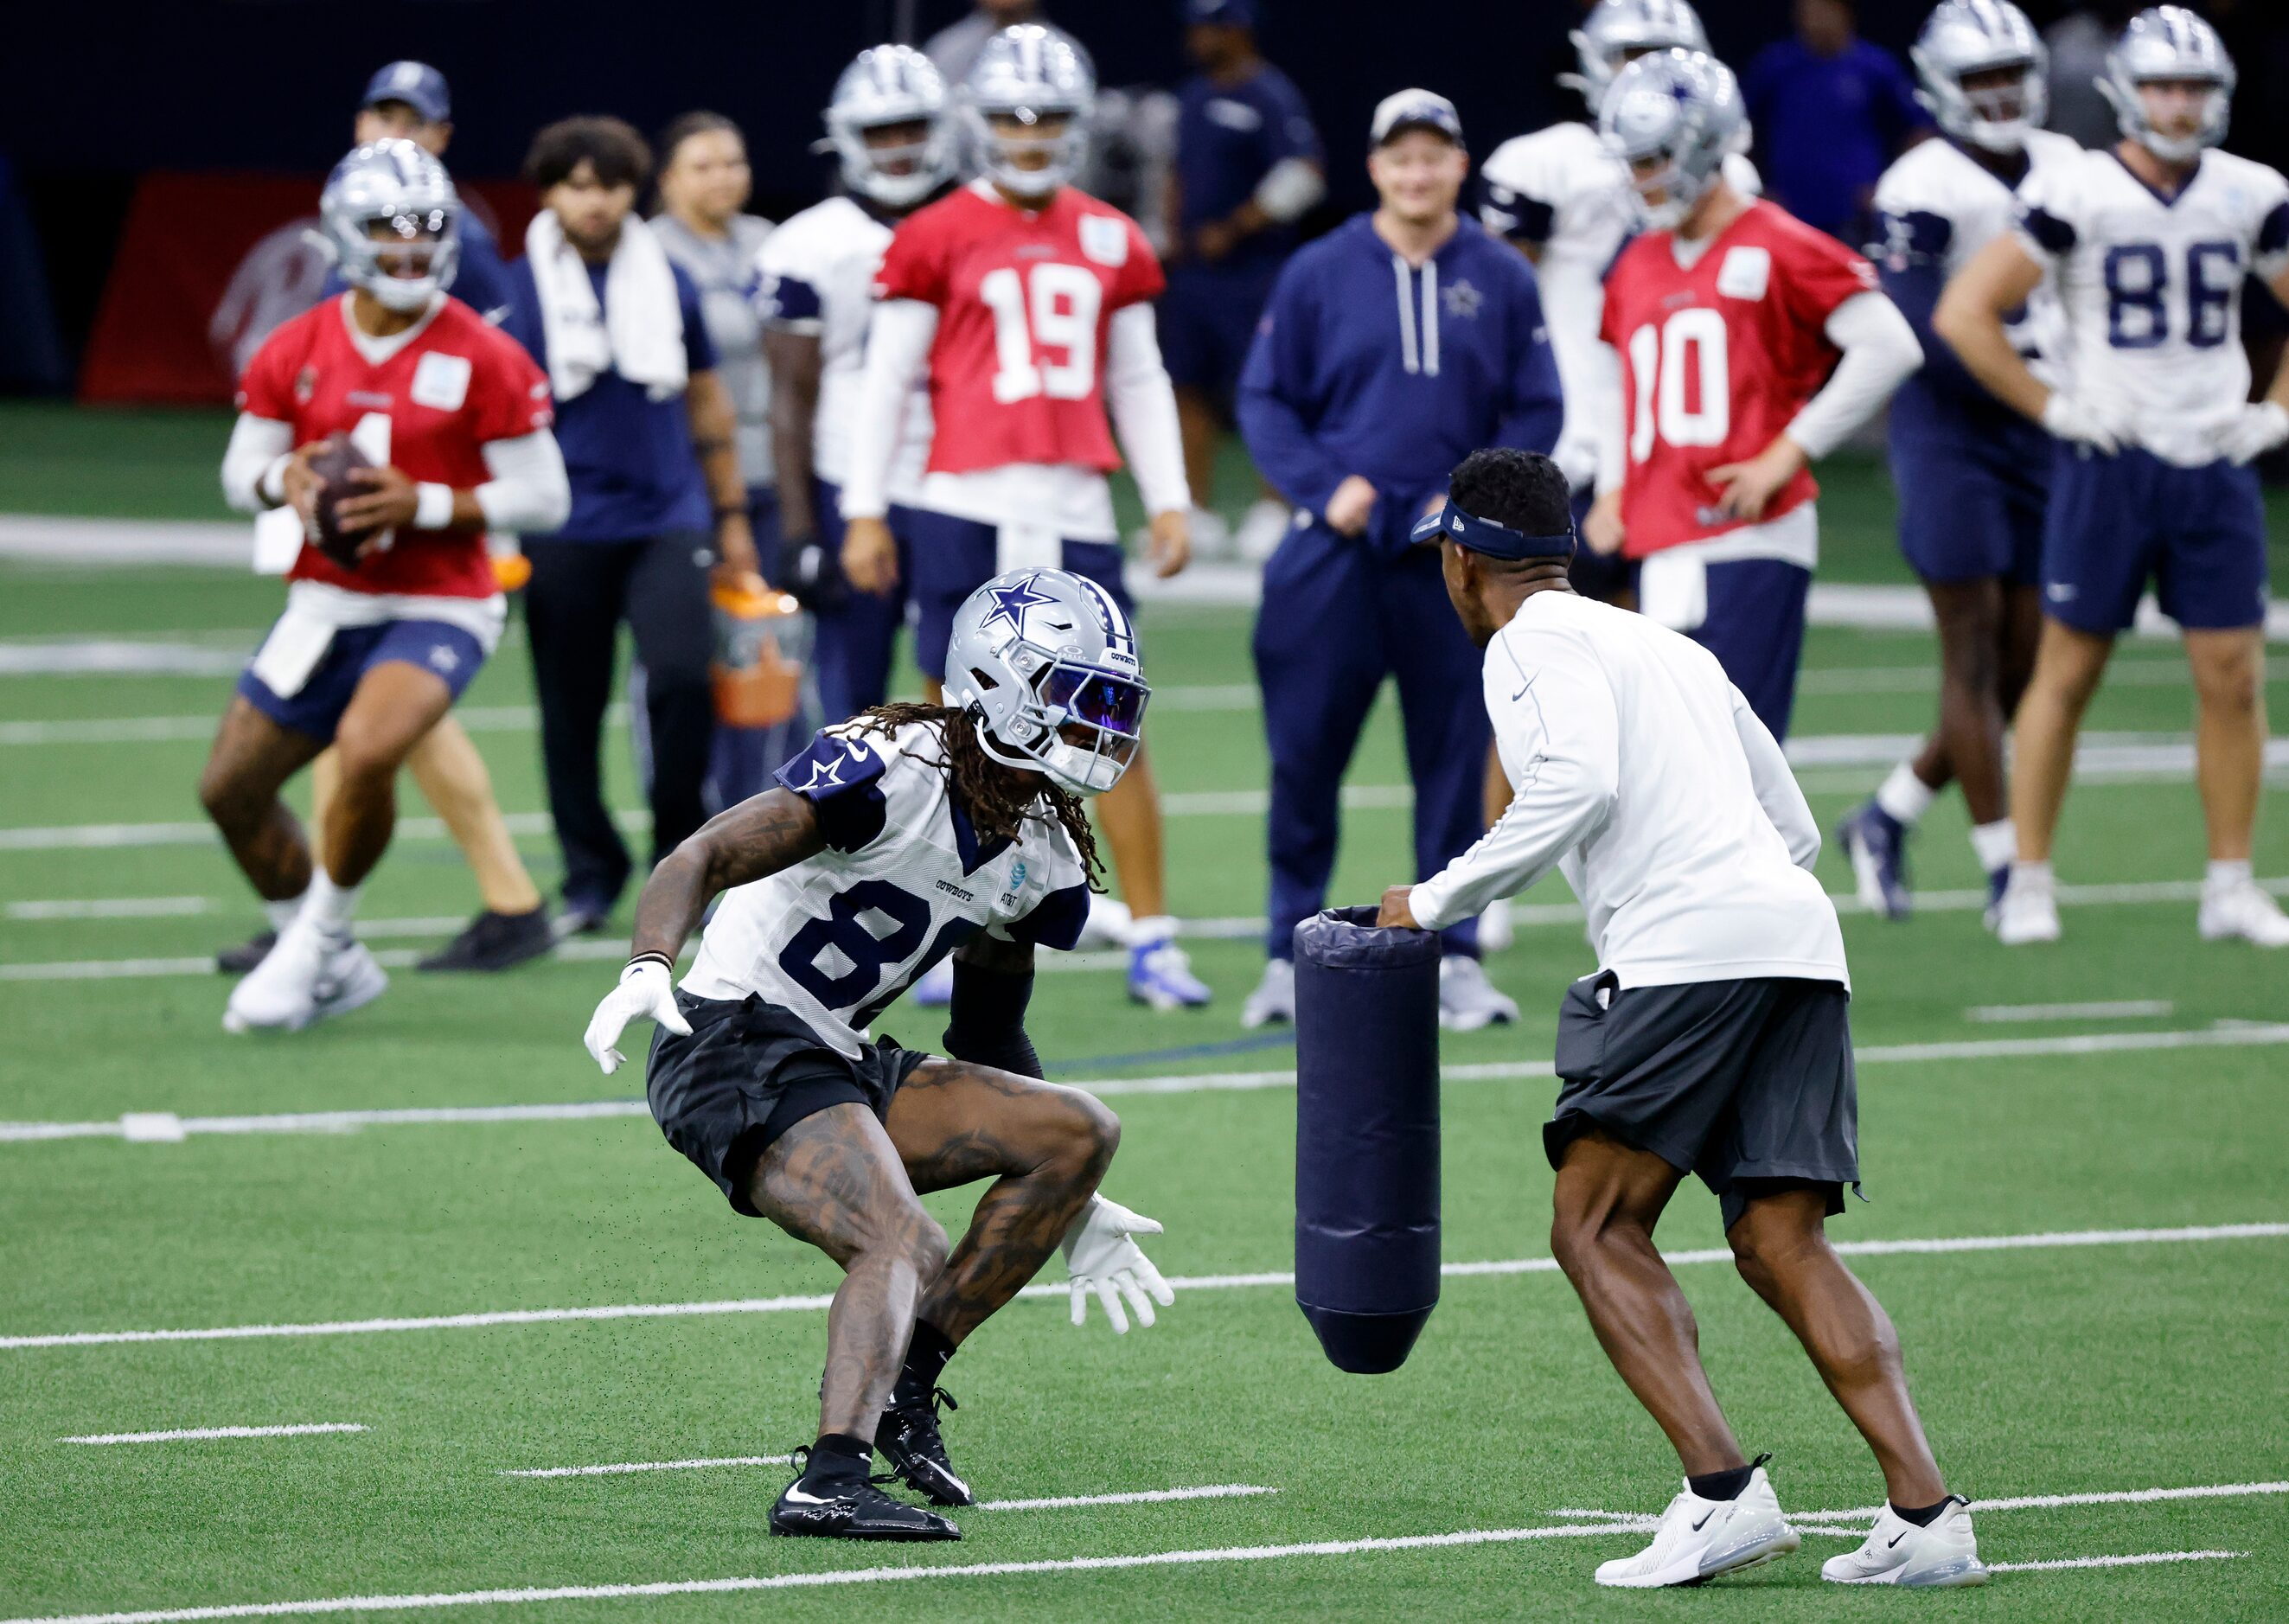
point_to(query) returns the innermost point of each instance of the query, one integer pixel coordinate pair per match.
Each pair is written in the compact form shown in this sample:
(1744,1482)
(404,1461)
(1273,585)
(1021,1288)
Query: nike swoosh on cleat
(1704,1519)
(802,1498)
(1897,1537)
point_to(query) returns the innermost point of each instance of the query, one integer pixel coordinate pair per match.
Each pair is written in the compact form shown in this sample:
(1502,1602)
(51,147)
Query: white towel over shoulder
(638,334)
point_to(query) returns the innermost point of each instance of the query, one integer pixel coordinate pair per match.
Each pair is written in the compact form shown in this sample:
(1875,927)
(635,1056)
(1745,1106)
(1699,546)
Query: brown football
(333,461)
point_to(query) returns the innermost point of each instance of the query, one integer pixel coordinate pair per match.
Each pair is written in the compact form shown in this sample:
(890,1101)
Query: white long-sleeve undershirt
(1142,405)
(898,338)
(529,492)
(1880,353)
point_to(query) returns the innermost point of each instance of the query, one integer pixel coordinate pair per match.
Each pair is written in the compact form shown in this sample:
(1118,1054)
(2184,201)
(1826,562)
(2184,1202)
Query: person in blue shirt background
(410,101)
(1391,348)
(1248,166)
(658,500)
(1832,110)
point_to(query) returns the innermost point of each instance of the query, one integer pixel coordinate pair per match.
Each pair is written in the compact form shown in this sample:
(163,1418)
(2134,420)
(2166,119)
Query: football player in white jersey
(1972,475)
(2150,243)
(888,127)
(906,834)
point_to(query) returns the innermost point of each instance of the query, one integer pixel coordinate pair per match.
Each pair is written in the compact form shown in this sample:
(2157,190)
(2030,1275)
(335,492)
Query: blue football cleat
(1878,845)
(1160,975)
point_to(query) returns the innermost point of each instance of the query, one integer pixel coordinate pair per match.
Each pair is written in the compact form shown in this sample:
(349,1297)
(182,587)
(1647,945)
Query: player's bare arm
(796,360)
(714,421)
(1969,316)
(774,830)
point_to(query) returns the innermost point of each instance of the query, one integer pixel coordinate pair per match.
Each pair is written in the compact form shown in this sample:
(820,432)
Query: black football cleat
(909,1439)
(863,1512)
(495,942)
(238,961)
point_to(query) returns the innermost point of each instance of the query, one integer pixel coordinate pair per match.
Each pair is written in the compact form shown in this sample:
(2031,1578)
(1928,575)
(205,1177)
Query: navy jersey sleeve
(1277,401)
(1289,132)
(1533,409)
(698,349)
(1056,922)
(842,777)
(521,319)
(482,280)
(1911,262)
(788,303)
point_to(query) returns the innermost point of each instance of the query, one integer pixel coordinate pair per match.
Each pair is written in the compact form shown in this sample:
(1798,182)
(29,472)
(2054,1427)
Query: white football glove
(2252,430)
(647,988)
(2070,418)
(1103,1258)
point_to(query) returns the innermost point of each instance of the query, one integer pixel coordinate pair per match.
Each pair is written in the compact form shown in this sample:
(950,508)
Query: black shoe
(863,1512)
(908,1438)
(582,916)
(238,961)
(495,942)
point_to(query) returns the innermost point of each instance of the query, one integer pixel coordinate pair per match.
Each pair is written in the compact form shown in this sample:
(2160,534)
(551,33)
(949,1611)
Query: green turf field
(2126,1082)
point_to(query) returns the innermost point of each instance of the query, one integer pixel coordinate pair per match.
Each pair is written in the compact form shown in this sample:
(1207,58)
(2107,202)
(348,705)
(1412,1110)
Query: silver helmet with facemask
(1991,41)
(1672,117)
(392,221)
(1044,663)
(886,87)
(1030,77)
(2168,44)
(1616,30)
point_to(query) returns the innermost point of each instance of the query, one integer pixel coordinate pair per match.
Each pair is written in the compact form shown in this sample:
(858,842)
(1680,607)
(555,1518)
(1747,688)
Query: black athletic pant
(579,593)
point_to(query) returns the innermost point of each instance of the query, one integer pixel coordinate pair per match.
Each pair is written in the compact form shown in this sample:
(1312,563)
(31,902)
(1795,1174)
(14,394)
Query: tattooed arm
(757,837)
(992,983)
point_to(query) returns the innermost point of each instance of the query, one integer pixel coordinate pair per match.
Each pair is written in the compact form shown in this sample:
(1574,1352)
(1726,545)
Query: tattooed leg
(833,1179)
(1046,1148)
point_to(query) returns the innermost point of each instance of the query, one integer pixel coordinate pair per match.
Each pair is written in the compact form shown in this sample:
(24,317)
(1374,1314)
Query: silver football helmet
(390,204)
(1615,30)
(2169,41)
(1028,73)
(1045,663)
(891,84)
(1963,37)
(1683,108)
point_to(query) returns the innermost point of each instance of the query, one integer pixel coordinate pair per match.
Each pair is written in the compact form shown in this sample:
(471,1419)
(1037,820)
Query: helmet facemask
(1079,724)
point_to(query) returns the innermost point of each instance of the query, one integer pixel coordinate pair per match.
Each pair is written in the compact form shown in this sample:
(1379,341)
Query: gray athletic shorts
(1747,1083)
(749,1071)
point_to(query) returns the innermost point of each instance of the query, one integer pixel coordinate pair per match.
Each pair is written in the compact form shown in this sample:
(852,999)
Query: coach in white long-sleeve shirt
(1713,1038)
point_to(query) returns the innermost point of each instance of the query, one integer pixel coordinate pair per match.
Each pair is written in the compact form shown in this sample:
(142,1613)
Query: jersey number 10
(1050,307)
(1691,337)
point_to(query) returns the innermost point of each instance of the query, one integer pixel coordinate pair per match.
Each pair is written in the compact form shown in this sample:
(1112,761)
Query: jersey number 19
(1049,308)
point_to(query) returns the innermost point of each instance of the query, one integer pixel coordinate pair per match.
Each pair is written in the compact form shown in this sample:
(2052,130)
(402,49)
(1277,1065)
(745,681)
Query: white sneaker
(1940,1556)
(1161,972)
(2243,909)
(310,975)
(1210,535)
(1467,999)
(1274,998)
(2028,913)
(1262,529)
(1699,1539)
(1107,925)
(1497,929)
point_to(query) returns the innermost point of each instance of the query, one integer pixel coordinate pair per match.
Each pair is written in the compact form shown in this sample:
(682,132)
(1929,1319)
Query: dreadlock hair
(997,798)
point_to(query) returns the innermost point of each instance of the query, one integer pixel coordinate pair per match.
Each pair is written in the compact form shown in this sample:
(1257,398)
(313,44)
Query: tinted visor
(1098,698)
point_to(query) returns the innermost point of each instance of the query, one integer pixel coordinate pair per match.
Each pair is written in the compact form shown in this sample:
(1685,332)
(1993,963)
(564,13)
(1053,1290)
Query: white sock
(331,907)
(1151,933)
(2031,877)
(1995,844)
(2227,876)
(1905,797)
(282,914)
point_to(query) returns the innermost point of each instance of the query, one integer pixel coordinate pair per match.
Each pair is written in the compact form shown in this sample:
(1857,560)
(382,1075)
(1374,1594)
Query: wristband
(271,486)
(641,960)
(432,507)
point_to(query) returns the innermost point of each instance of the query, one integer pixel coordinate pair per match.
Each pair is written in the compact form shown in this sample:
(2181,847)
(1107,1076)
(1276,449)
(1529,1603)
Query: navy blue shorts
(954,557)
(448,652)
(2117,523)
(1964,519)
(1207,321)
(1755,628)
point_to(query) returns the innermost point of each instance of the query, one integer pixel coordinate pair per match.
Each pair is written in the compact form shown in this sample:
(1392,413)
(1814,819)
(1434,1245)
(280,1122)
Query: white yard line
(2120,1009)
(2044,1502)
(1139,1497)
(1921,1247)
(111,908)
(2142,1559)
(797,1581)
(304,1431)
(168,1126)
(624,1468)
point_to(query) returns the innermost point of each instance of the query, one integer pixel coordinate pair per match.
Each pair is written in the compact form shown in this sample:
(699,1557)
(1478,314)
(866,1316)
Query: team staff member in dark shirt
(657,499)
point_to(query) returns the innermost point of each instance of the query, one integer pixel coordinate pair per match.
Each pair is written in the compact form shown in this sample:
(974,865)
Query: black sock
(839,1462)
(1726,1484)
(1923,1517)
(926,1358)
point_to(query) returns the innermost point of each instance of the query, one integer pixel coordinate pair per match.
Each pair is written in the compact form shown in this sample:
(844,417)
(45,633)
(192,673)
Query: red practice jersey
(458,385)
(1016,372)
(1716,359)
